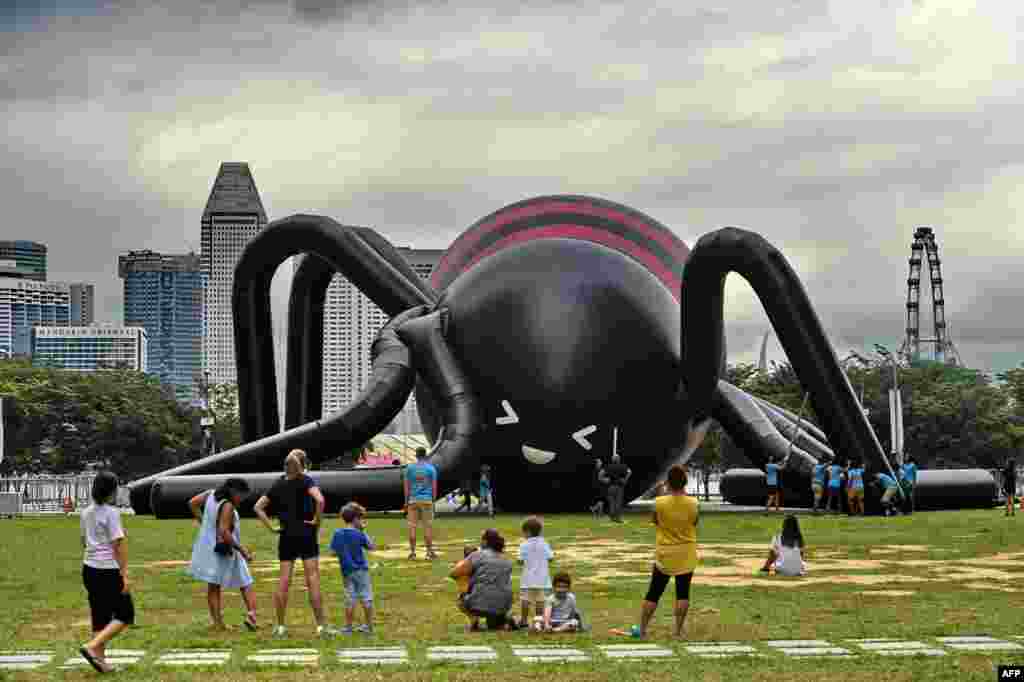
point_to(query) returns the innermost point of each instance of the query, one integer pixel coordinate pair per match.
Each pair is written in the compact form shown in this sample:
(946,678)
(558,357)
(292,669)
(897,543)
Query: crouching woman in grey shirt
(490,584)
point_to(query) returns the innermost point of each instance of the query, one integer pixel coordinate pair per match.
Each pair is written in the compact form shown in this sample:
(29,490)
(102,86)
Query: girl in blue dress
(218,557)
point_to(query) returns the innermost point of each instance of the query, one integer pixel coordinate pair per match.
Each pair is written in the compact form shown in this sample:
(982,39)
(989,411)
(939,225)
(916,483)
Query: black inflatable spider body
(554,331)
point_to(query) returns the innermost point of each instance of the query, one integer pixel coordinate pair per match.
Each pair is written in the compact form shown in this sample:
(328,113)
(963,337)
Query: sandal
(98,665)
(250,622)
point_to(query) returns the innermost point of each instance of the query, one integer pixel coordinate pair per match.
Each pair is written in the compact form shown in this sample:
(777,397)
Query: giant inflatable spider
(552,332)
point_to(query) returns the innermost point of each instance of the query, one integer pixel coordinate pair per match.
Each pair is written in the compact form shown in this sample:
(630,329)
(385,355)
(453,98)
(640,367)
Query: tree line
(58,421)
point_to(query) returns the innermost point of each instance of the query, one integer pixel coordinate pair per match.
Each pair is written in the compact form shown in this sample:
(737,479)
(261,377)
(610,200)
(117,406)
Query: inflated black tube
(347,253)
(389,253)
(750,429)
(459,408)
(380,488)
(391,381)
(376,488)
(304,385)
(795,322)
(803,438)
(805,423)
(936,489)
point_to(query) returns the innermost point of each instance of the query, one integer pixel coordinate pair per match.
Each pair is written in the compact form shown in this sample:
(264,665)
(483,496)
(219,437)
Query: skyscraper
(83,297)
(164,295)
(26,303)
(22,259)
(233,216)
(351,321)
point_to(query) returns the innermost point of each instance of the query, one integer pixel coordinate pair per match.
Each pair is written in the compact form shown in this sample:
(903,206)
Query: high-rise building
(21,259)
(86,349)
(83,298)
(26,303)
(233,216)
(351,322)
(164,294)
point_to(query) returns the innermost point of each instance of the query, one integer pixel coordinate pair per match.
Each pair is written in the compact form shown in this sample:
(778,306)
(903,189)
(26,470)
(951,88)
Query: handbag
(224,549)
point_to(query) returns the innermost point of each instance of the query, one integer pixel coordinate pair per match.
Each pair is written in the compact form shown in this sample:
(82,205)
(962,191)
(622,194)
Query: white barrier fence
(48,493)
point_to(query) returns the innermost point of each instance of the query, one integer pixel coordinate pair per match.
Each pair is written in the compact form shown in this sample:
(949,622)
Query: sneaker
(326,631)
(431,554)
(250,623)
(412,555)
(280,631)
(347,630)
(365,629)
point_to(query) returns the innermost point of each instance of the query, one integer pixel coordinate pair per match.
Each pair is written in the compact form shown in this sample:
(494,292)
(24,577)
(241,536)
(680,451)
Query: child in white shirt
(534,554)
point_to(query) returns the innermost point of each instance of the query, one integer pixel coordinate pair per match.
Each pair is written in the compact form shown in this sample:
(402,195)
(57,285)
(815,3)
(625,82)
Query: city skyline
(833,141)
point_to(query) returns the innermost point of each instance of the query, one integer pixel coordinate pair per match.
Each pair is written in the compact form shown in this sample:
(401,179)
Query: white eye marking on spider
(581,436)
(537,456)
(510,415)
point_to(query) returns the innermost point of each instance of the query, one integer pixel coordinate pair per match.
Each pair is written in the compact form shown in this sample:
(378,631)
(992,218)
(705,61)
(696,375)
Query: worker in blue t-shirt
(835,486)
(908,481)
(772,470)
(818,482)
(888,484)
(855,487)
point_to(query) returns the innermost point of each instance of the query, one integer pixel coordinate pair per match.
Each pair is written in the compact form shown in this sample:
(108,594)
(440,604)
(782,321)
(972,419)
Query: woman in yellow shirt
(675,554)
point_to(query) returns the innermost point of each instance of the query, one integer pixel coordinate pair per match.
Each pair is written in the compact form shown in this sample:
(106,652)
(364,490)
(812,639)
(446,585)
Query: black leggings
(659,581)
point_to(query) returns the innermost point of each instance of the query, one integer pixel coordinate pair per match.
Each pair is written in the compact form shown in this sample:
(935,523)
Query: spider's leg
(460,410)
(800,430)
(383,247)
(347,252)
(391,381)
(305,364)
(796,325)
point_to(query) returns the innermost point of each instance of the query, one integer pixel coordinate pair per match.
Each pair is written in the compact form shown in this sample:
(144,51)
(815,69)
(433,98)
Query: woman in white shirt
(786,553)
(105,571)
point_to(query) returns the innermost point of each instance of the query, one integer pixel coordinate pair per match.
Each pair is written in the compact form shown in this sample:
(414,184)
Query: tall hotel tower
(351,322)
(233,216)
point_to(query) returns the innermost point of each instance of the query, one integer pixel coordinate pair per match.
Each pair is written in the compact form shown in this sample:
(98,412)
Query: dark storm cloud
(831,129)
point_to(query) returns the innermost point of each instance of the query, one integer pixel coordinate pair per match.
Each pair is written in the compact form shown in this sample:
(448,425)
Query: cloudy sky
(834,129)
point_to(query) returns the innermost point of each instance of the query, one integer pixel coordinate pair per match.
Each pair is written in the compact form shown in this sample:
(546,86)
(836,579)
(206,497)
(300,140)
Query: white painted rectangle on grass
(633,651)
(197,657)
(984,646)
(794,643)
(720,649)
(371,656)
(462,654)
(553,654)
(816,651)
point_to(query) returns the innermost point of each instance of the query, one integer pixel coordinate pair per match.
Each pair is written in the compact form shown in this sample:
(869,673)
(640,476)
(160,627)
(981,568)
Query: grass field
(929,575)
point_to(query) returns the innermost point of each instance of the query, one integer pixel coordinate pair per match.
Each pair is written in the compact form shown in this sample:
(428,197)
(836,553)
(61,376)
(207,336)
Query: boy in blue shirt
(349,544)
(771,471)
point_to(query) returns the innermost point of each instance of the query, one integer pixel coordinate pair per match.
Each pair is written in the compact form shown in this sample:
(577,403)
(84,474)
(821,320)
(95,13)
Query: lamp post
(895,405)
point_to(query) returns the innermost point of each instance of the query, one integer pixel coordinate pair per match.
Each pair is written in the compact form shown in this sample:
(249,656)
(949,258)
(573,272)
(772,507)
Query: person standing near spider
(420,484)
(618,475)
(298,538)
(675,556)
(218,557)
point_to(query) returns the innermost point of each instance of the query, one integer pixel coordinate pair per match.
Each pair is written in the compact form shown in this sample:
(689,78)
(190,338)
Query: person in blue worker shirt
(818,482)
(908,481)
(888,484)
(835,486)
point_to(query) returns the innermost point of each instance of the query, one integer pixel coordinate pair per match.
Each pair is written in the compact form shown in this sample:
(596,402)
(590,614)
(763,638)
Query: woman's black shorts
(107,602)
(302,547)
(659,581)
